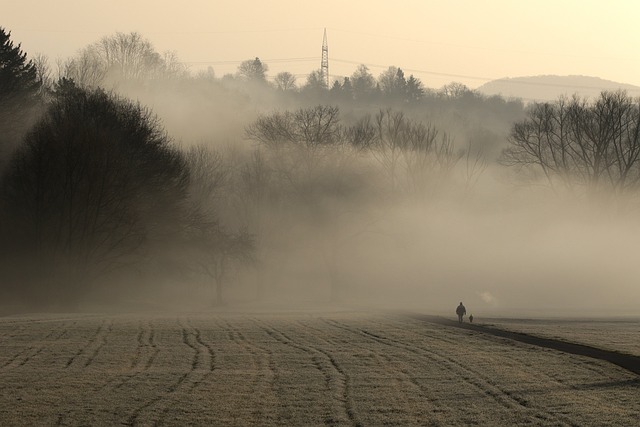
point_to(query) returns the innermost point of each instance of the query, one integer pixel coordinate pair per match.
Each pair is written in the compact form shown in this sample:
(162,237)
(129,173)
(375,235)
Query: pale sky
(439,41)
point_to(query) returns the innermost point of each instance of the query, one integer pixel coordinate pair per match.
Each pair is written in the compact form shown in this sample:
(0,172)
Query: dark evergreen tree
(414,89)
(19,87)
(18,76)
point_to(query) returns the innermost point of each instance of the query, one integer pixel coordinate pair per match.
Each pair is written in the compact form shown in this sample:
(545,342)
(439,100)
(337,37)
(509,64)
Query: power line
(413,70)
(231,62)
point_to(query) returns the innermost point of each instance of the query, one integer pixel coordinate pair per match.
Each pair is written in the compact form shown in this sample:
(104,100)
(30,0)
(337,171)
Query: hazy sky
(470,41)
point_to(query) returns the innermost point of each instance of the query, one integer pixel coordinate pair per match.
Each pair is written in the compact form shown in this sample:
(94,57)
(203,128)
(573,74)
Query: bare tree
(454,90)
(259,202)
(412,154)
(320,178)
(285,81)
(214,249)
(319,125)
(45,75)
(219,250)
(314,126)
(121,58)
(273,129)
(575,143)
(86,69)
(475,165)
(253,70)
(362,134)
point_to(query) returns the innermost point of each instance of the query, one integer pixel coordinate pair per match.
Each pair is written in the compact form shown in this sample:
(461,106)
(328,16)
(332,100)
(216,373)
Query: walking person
(461,311)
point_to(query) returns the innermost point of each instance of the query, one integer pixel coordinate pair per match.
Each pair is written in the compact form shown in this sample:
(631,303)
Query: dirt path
(626,361)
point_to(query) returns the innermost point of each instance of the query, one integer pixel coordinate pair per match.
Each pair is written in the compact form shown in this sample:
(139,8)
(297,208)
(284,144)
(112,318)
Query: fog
(334,220)
(533,256)
(502,253)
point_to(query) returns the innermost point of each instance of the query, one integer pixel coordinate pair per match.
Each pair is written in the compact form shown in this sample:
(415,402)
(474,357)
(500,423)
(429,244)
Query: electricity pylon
(324,66)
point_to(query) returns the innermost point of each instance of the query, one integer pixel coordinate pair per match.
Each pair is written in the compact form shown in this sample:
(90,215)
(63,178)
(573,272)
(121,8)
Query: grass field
(334,368)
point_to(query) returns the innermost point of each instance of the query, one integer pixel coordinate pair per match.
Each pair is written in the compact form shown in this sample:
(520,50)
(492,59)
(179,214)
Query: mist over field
(159,187)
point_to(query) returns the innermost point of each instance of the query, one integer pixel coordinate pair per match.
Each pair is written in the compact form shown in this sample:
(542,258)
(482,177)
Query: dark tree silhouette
(94,183)
(18,76)
(19,88)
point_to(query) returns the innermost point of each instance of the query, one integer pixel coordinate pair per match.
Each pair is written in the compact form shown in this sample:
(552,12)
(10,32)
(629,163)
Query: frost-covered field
(344,368)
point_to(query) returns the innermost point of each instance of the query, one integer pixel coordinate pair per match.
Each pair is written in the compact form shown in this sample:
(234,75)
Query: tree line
(94,190)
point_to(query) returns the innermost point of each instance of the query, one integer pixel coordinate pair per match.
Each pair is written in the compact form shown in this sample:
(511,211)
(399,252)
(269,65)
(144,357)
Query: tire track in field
(20,353)
(279,391)
(86,354)
(24,356)
(15,331)
(487,385)
(553,378)
(149,348)
(342,377)
(599,370)
(406,374)
(203,363)
(145,354)
(263,361)
(540,413)
(476,379)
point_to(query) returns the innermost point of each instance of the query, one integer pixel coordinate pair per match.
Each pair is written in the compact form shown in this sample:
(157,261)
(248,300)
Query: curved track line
(262,361)
(277,390)
(474,378)
(554,378)
(90,350)
(202,364)
(343,377)
(597,369)
(380,355)
(146,352)
(25,355)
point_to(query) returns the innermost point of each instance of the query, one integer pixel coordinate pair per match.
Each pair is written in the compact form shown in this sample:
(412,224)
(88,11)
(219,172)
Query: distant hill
(546,88)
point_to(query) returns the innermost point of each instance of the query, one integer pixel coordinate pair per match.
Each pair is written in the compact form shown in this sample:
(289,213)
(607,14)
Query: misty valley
(183,248)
